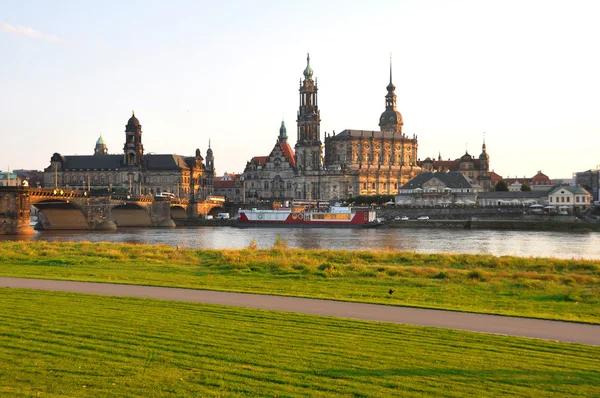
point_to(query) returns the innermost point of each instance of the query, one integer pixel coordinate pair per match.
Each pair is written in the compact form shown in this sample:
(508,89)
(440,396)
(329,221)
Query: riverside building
(133,171)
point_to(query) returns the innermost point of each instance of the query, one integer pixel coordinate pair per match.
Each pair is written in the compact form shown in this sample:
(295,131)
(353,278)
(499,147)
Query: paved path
(511,326)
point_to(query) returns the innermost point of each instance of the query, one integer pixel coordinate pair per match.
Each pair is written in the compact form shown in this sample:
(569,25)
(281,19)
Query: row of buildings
(445,189)
(355,162)
(133,171)
(350,163)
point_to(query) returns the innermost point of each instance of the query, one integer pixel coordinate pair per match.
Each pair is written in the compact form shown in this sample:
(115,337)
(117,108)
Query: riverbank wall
(550,224)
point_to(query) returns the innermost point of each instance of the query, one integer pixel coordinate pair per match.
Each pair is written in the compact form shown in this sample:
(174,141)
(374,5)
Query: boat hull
(335,218)
(280,225)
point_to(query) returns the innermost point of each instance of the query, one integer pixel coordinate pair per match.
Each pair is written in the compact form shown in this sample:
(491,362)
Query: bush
(441,275)
(253,245)
(476,274)
(280,244)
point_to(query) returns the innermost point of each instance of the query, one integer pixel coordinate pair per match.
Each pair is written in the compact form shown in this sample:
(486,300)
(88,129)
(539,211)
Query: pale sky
(527,73)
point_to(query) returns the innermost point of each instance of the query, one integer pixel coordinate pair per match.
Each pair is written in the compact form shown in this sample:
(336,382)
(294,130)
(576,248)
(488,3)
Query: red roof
(495,177)
(540,179)
(260,160)
(523,180)
(223,184)
(288,152)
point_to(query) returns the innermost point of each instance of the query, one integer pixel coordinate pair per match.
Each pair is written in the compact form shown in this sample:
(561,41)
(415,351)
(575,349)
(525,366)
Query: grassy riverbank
(64,344)
(531,287)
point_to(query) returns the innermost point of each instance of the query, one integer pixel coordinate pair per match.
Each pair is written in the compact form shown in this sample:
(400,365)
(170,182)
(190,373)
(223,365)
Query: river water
(516,243)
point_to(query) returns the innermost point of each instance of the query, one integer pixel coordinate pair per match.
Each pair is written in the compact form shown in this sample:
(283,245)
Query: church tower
(133,149)
(391,120)
(308,145)
(282,133)
(210,161)
(484,168)
(100,149)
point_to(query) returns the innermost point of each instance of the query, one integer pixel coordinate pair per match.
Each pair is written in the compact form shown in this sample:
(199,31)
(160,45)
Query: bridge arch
(130,215)
(59,214)
(178,213)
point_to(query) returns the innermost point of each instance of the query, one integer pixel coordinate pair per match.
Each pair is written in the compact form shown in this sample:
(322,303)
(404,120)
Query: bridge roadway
(524,327)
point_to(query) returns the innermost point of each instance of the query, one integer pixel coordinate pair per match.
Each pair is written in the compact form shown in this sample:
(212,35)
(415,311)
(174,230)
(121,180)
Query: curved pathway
(511,326)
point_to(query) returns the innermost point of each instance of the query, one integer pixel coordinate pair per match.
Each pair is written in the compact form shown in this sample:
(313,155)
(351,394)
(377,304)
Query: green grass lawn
(73,345)
(531,287)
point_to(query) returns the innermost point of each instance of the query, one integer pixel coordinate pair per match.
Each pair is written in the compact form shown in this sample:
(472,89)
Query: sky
(526,74)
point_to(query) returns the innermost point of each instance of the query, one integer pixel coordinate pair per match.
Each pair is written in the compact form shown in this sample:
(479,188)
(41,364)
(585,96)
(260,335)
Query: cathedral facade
(133,171)
(356,162)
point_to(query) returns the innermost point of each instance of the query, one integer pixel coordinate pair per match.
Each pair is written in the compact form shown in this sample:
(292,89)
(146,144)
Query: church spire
(390,68)
(308,72)
(390,98)
(391,119)
(282,132)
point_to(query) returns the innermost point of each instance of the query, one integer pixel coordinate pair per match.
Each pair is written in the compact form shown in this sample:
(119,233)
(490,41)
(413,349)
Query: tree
(525,188)
(501,186)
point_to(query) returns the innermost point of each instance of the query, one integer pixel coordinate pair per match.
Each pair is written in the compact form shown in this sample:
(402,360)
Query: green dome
(100,141)
(308,72)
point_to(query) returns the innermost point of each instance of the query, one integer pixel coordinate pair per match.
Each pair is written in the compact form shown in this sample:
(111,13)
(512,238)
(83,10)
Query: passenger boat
(335,216)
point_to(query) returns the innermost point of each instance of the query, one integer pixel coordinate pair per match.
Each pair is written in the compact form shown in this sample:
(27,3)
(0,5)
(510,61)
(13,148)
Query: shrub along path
(529,287)
(537,328)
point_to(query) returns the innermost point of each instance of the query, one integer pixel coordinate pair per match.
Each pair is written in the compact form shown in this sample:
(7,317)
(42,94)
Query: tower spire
(390,68)
(391,119)
(282,132)
(308,72)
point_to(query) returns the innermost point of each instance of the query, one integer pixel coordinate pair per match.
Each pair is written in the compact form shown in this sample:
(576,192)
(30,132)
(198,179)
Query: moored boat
(335,216)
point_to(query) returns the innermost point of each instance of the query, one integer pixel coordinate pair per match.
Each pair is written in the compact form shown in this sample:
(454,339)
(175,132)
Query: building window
(364,185)
(577,199)
(568,200)
(373,185)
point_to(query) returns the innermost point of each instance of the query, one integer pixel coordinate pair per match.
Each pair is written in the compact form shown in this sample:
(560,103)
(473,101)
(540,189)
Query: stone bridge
(73,209)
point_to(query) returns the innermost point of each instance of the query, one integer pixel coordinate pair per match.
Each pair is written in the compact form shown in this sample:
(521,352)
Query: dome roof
(100,140)
(484,156)
(308,72)
(390,116)
(133,121)
(466,157)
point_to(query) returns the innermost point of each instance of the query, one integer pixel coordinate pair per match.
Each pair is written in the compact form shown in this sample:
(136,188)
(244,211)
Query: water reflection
(519,243)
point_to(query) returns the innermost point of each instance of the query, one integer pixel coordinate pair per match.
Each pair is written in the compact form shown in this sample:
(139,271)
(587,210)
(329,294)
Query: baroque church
(356,162)
(133,171)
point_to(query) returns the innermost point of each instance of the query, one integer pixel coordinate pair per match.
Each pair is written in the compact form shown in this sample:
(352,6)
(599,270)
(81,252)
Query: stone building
(570,198)
(539,182)
(375,162)
(440,189)
(230,186)
(475,170)
(590,180)
(8,179)
(272,177)
(133,171)
(356,162)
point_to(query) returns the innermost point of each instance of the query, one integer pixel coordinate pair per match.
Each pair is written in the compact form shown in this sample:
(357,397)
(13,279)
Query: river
(516,243)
